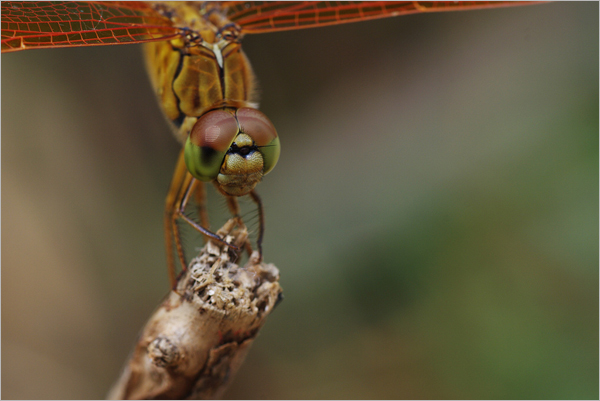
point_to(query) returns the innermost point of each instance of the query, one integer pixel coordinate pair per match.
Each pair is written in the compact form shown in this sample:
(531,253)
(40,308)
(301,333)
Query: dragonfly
(202,79)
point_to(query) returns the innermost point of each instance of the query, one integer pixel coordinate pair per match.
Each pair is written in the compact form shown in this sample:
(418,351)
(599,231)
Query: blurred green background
(434,214)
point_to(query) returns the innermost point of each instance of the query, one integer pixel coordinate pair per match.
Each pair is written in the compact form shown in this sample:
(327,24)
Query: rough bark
(193,344)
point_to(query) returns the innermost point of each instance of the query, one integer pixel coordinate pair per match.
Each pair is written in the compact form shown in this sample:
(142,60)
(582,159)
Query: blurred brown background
(434,213)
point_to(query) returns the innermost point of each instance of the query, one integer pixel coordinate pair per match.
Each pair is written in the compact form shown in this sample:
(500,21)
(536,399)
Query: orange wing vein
(267,16)
(27,25)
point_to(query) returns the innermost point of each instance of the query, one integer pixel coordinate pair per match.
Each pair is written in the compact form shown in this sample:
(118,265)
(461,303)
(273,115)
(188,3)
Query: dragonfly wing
(30,25)
(267,16)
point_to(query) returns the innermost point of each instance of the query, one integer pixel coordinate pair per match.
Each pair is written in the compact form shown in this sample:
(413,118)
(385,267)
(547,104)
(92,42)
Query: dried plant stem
(193,344)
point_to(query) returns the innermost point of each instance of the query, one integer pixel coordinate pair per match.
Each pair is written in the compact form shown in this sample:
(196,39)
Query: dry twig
(193,344)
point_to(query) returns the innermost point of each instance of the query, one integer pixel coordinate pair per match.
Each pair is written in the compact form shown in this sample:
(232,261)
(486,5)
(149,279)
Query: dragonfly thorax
(191,79)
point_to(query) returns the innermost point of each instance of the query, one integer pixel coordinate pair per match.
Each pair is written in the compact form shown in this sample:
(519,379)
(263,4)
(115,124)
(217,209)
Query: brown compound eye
(262,131)
(208,142)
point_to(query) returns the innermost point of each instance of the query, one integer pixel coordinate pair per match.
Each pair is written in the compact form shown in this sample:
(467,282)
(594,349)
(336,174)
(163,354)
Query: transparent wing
(28,25)
(267,16)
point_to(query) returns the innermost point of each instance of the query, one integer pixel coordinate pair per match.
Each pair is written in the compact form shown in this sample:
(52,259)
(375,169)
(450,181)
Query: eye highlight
(215,129)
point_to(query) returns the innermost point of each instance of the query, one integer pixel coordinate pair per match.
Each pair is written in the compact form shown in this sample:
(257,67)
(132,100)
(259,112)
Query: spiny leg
(200,198)
(261,221)
(181,214)
(179,182)
(182,187)
(234,208)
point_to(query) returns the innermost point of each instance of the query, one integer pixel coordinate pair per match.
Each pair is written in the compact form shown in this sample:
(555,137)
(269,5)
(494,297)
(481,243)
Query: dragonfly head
(234,148)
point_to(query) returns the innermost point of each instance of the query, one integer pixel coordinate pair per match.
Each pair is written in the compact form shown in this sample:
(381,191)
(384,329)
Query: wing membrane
(259,17)
(27,25)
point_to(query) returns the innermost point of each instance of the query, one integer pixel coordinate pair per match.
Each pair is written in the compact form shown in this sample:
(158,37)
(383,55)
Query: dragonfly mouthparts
(242,150)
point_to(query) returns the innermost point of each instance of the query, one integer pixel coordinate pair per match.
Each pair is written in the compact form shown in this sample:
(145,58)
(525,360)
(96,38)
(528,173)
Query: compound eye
(208,142)
(262,131)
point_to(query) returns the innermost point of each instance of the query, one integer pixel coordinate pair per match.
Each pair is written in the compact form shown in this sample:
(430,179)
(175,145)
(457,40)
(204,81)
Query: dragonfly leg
(261,221)
(182,187)
(234,208)
(180,180)
(191,222)
(200,198)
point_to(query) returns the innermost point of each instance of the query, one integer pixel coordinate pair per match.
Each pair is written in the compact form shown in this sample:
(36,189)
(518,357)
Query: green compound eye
(208,142)
(239,149)
(262,131)
(270,154)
